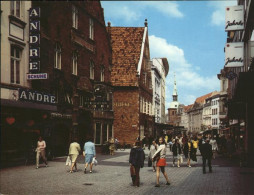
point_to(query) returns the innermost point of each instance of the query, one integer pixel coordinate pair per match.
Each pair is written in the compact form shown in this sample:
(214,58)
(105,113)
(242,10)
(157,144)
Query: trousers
(209,164)
(40,154)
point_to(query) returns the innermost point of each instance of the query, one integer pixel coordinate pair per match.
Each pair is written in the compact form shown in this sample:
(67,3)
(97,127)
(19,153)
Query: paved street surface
(111,176)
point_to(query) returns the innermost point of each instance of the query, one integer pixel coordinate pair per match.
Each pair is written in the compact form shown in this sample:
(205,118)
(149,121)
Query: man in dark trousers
(207,153)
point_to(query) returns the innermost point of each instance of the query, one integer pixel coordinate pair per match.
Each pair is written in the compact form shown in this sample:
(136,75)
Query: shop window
(15,8)
(74,17)
(98,133)
(15,64)
(110,131)
(91,70)
(75,63)
(91,28)
(57,63)
(104,133)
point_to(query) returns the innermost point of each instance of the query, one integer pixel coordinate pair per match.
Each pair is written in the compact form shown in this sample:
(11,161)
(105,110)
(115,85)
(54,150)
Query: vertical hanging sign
(34,40)
(234,54)
(234,18)
(34,45)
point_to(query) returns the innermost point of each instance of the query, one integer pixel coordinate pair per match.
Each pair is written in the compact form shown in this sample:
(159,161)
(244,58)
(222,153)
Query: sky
(190,34)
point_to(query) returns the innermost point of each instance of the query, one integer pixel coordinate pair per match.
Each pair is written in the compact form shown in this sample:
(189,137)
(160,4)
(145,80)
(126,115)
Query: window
(102,73)
(15,64)
(91,70)
(74,17)
(91,29)
(98,130)
(57,63)
(145,107)
(15,8)
(75,63)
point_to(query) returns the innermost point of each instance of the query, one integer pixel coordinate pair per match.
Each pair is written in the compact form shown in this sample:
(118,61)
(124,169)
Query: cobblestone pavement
(111,176)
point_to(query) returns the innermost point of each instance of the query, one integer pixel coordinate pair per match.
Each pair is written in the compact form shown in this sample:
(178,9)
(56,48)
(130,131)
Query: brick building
(131,79)
(71,48)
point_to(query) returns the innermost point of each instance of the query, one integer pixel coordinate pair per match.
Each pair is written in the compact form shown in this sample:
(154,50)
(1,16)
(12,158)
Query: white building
(215,108)
(14,48)
(160,68)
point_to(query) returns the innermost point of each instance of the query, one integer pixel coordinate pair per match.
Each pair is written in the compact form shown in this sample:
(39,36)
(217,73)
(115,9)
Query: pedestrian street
(112,176)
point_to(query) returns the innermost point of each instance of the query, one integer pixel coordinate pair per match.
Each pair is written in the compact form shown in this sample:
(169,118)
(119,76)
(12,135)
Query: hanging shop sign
(34,43)
(234,54)
(35,96)
(234,18)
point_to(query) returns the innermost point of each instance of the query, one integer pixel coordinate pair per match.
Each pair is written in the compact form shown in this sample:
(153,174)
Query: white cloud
(218,15)
(131,10)
(170,9)
(189,81)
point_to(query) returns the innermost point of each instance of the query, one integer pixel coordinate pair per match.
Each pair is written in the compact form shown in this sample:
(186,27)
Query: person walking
(152,151)
(207,153)
(177,151)
(89,153)
(136,160)
(161,162)
(188,151)
(112,146)
(195,148)
(40,152)
(214,146)
(74,150)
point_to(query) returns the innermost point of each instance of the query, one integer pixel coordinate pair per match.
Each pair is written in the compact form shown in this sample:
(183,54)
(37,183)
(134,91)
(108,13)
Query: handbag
(68,161)
(181,159)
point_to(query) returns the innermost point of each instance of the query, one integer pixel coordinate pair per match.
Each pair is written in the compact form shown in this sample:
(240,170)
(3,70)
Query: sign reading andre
(35,96)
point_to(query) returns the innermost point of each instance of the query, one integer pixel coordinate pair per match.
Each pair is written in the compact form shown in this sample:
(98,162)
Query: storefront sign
(234,19)
(37,76)
(34,40)
(234,54)
(59,115)
(121,104)
(34,96)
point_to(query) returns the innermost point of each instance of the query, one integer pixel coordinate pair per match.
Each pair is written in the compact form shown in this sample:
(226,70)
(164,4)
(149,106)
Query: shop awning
(27,105)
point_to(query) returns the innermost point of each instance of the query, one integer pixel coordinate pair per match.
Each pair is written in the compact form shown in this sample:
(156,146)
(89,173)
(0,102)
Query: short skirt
(89,158)
(161,162)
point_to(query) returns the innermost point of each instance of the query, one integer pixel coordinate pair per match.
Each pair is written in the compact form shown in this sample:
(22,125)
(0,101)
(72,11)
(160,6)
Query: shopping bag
(95,162)
(181,159)
(68,161)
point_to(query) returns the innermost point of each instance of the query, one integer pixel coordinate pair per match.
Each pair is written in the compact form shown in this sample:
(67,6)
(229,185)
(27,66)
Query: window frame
(75,63)
(102,77)
(74,17)
(13,8)
(91,28)
(58,56)
(91,70)
(15,66)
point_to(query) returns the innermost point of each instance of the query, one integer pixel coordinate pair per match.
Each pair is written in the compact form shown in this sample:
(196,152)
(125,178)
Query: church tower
(175,103)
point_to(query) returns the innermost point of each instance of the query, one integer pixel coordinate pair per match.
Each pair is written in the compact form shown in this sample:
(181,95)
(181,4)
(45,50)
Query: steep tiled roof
(126,48)
(201,100)
(186,108)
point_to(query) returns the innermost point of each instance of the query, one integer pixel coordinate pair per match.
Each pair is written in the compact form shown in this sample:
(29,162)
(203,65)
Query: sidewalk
(111,176)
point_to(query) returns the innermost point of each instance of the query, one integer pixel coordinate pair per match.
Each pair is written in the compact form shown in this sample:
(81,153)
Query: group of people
(89,153)
(137,158)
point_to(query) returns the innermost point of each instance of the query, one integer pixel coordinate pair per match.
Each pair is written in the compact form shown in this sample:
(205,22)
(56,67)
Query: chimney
(145,22)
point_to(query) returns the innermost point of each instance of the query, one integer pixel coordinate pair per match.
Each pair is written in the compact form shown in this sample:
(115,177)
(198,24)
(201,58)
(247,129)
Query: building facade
(241,76)
(160,70)
(132,82)
(59,71)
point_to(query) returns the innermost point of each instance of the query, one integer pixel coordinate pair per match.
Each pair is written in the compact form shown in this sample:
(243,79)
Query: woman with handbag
(161,162)
(40,152)
(74,150)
